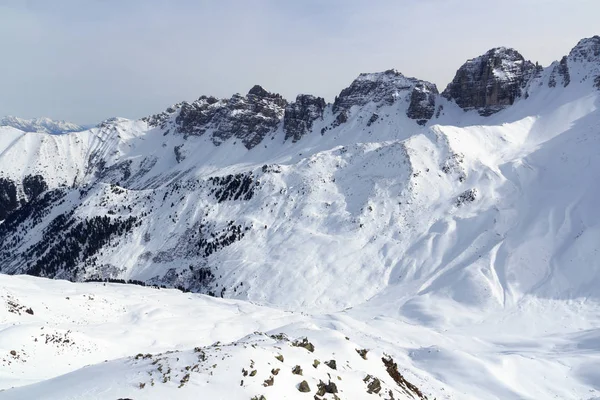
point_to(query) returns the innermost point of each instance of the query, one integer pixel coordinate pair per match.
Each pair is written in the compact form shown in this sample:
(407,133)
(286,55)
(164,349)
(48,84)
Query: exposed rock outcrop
(422,102)
(560,72)
(587,50)
(386,88)
(248,118)
(300,115)
(587,53)
(491,82)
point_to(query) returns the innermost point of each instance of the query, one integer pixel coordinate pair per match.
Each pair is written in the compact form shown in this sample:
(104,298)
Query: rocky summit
(490,82)
(386,88)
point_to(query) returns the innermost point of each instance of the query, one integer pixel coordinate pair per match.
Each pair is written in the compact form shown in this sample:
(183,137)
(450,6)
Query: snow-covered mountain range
(45,125)
(444,210)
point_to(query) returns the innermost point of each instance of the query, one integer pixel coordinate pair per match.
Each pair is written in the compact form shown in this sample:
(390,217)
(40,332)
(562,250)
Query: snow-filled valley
(455,235)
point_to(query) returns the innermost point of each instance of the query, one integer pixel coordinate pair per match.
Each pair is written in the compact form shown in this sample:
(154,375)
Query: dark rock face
(300,115)
(380,87)
(422,102)
(560,71)
(491,82)
(248,118)
(8,197)
(179,154)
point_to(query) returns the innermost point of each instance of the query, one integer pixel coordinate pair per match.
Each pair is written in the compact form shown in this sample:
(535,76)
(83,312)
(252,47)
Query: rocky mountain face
(247,118)
(491,82)
(560,74)
(386,88)
(300,115)
(45,125)
(212,195)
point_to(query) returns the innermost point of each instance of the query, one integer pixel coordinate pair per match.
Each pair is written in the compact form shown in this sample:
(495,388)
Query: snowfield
(110,341)
(461,251)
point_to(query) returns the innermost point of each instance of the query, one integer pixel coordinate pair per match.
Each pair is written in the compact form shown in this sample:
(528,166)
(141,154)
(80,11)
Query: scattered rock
(305,344)
(392,370)
(331,364)
(373,385)
(269,382)
(297,370)
(303,387)
(326,388)
(467,196)
(362,353)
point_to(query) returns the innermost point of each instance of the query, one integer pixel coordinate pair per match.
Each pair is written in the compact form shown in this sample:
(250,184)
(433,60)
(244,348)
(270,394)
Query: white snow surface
(467,249)
(110,341)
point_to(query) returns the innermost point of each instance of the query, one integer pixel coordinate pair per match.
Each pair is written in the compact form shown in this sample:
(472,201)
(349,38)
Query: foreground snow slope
(96,341)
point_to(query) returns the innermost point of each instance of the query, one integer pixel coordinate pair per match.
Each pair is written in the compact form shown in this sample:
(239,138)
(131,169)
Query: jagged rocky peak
(584,57)
(300,115)
(385,88)
(248,118)
(491,82)
(587,50)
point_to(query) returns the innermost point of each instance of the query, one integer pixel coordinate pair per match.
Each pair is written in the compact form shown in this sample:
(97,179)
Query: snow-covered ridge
(45,125)
(232,190)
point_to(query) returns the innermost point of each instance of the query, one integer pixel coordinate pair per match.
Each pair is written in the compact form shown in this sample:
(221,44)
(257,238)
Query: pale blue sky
(87,60)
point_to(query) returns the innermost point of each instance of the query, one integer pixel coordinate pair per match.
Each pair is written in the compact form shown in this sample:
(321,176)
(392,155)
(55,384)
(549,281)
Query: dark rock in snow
(560,70)
(248,118)
(491,82)
(300,115)
(303,387)
(422,102)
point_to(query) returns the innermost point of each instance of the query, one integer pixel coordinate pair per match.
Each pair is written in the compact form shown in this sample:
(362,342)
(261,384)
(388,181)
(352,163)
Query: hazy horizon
(87,61)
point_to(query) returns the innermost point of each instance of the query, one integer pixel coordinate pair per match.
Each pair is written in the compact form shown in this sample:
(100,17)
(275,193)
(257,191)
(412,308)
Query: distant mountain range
(45,125)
